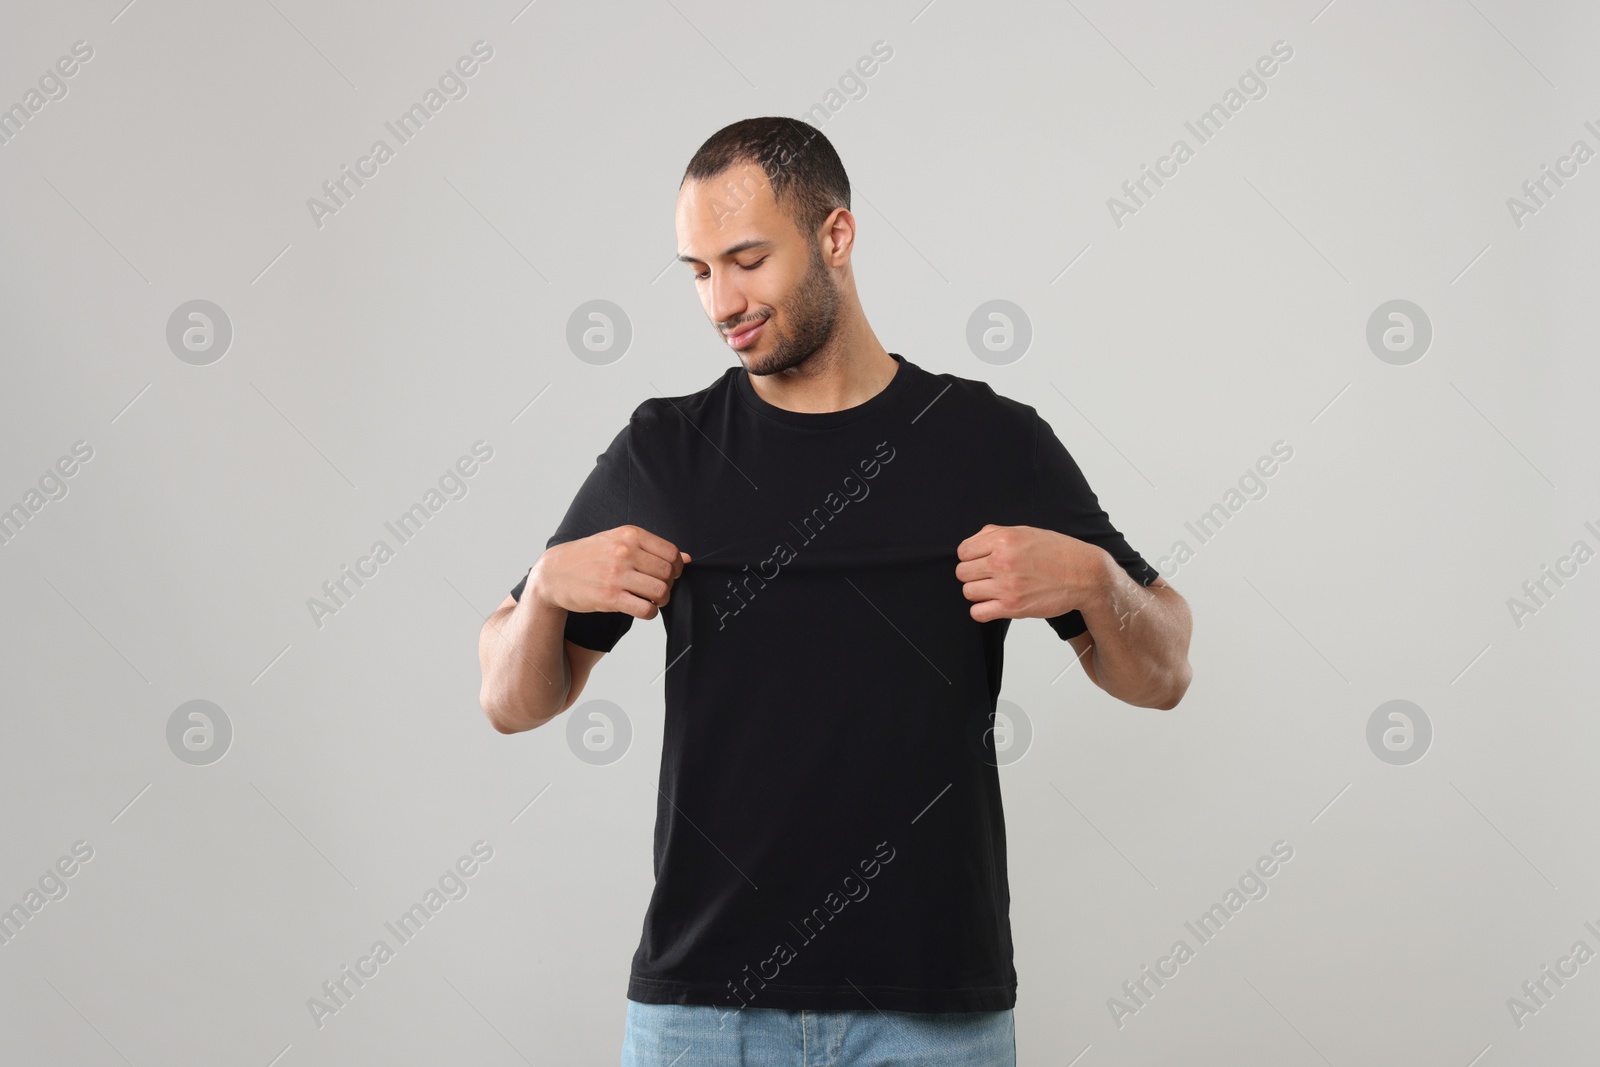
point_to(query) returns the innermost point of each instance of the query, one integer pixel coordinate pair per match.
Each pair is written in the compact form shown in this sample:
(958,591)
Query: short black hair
(808,180)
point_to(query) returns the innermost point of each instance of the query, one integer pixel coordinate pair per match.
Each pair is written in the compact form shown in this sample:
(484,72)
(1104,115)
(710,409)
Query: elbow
(498,714)
(1159,694)
(507,725)
(1176,688)
(515,703)
(501,726)
(491,711)
(506,717)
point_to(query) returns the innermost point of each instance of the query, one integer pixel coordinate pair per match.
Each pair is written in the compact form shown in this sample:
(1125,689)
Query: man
(836,540)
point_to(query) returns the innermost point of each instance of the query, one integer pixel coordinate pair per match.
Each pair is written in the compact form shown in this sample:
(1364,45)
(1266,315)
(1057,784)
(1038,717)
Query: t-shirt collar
(875,404)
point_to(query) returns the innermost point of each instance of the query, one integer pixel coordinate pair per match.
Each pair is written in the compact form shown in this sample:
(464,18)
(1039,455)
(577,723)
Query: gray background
(368,354)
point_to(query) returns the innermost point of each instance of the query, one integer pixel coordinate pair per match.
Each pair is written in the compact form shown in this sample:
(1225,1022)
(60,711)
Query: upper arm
(1061,500)
(580,660)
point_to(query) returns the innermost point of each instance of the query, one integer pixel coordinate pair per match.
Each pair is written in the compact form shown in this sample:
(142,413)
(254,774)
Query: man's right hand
(627,569)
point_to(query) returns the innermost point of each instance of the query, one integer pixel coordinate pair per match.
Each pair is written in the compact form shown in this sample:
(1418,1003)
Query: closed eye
(752,266)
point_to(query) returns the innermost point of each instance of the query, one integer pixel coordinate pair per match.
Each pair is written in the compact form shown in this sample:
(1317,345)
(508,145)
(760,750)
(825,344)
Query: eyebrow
(742,246)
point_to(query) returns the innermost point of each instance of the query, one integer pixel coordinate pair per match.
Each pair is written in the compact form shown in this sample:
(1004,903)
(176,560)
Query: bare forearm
(1141,641)
(526,676)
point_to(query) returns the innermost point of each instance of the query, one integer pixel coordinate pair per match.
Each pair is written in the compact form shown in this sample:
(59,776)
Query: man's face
(752,266)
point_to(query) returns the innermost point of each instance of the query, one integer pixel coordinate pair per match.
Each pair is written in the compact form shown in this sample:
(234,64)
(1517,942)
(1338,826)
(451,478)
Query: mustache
(732,326)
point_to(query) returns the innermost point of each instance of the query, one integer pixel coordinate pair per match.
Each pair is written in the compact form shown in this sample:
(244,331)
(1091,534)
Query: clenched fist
(627,569)
(1022,572)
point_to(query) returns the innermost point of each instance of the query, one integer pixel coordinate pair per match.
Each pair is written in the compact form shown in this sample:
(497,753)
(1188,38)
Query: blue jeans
(691,1035)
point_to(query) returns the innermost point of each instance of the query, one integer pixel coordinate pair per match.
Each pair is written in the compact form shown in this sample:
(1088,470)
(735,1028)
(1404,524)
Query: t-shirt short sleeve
(600,504)
(1063,502)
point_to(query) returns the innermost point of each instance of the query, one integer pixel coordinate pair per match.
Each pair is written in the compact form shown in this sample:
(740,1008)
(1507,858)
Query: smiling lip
(746,335)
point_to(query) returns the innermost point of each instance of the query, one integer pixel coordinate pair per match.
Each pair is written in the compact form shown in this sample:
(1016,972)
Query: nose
(725,303)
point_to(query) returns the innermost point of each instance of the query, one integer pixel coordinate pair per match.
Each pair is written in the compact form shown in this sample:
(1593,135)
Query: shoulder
(659,416)
(975,403)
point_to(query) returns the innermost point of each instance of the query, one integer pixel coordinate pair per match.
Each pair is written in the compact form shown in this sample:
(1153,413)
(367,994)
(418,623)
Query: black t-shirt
(829,833)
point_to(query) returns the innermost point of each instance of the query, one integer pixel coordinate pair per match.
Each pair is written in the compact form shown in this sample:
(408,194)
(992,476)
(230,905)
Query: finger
(977,545)
(649,563)
(987,611)
(667,569)
(638,607)
(656,546)
(648,587)
(973,569)
(642,600)
(987,589)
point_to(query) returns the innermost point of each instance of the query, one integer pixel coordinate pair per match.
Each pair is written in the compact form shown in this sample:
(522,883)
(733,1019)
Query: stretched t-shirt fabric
(829,833)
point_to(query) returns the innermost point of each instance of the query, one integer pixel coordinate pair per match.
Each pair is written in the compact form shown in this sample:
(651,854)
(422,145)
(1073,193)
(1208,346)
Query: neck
(849,370)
